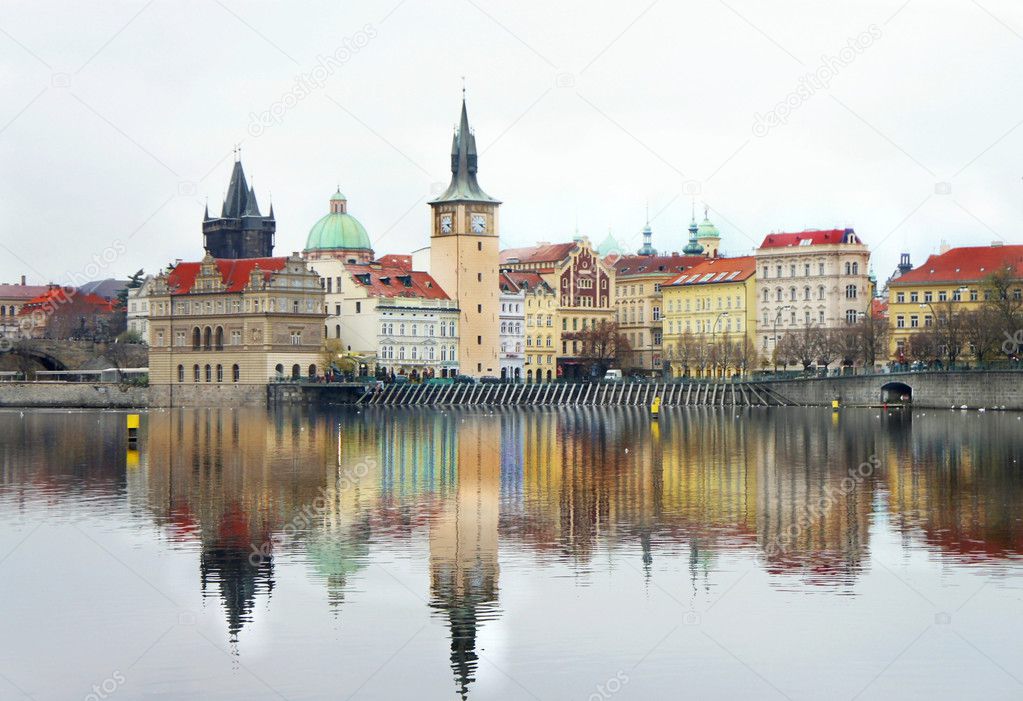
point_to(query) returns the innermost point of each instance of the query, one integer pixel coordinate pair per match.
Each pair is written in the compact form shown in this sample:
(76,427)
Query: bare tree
(923,347)
(803,346)
(981,332)
(602,346)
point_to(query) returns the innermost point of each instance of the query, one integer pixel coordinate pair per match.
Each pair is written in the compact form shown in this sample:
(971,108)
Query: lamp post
(777,318)
(713,331)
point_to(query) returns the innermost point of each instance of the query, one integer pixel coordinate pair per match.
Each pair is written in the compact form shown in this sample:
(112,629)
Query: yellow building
(221,329)
(639,305)
(583,285)
(709,319)
(952,282)
(464,256)
(542,336)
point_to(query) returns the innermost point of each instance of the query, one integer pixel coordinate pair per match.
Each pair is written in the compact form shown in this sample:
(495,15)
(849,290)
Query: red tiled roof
(717,270)
(970,263)
(56,296)
(390,281)
(396,260)
(815,238)
(648,265)
(234,272)
(546,253)
(521,279)
(21,291)
(879,308)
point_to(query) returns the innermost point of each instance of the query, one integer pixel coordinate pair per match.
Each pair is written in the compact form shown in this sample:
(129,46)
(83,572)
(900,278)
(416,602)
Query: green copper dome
(707,230)
(609,245)
(337,230)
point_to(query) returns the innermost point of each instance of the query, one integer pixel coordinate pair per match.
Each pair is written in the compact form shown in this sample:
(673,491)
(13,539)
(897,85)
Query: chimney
(994,244)
(22,280)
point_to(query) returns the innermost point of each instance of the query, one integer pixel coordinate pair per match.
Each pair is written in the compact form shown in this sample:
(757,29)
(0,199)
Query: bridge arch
(896,393)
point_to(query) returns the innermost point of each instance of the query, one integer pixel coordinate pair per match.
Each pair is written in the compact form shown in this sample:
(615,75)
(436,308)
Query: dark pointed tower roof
(463,187)
(647,249)
(251,206)
(237,194)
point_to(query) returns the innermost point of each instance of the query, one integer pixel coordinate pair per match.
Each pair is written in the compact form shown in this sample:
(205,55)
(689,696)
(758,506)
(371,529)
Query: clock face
(445,223)
(479,223)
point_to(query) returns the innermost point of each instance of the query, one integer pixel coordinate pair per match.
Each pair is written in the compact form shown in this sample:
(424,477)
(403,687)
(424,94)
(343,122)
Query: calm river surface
(534,554)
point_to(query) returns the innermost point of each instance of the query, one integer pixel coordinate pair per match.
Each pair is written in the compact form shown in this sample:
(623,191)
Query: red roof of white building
(717,270)
(396,260)
(966,264)
(234,272)
(543,253)
(25,292)
(811,238)
(391,281)
(54,297)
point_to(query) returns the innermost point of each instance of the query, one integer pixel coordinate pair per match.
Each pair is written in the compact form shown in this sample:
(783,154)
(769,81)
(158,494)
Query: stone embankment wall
(207,395)
(937,390)
(87,395)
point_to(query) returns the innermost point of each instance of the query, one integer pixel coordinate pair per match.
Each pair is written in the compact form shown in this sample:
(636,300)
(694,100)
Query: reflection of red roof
(970,263)
(717,270)
(811,238)
(56,296)
(515,280)
(388,281)
(544,253)
(234,272)
(396,260)
(649,265)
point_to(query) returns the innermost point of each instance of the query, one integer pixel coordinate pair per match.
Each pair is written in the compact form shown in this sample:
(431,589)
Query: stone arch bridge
(73,355)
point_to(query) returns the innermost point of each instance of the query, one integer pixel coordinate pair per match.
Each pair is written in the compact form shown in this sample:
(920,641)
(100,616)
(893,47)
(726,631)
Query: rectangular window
(358,307)
(914,321)
(900,297)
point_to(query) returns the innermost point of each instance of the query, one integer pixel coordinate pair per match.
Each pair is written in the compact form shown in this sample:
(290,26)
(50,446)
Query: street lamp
(713,330)
(777,318)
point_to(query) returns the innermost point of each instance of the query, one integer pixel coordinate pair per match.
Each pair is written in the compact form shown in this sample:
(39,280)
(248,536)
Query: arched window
(181,373)
(207,338)
(218,338)
(196,338)
(209,373)
(855,268)
(296,371)
(777,294)
(236,373)
(337,331)
(820,292)
(220,372)
(312,371)
(195,373)
(279,370)
(806,293)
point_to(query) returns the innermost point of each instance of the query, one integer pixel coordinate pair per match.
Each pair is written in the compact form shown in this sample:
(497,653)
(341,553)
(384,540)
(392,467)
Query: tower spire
(464,164)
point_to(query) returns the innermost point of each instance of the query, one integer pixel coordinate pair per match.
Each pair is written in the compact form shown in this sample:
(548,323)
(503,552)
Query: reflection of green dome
(337,230)
(707,230)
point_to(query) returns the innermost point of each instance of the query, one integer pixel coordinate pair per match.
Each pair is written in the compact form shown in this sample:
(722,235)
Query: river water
(522,554)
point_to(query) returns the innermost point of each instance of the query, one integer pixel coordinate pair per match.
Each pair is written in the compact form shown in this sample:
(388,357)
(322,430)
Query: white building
(387,316)
(811,279)
(513,329)
(138,308)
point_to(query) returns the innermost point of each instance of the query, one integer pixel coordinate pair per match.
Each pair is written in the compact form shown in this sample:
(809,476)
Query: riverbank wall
(83,395)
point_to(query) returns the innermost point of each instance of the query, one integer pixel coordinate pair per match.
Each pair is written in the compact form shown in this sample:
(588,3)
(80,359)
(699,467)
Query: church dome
(338,230)
(707,230)
(609,245)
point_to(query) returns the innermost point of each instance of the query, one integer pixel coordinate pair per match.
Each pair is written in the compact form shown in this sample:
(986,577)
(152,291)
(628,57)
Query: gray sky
(118,120)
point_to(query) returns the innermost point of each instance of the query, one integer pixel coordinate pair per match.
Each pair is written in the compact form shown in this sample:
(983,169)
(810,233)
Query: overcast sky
(119,119)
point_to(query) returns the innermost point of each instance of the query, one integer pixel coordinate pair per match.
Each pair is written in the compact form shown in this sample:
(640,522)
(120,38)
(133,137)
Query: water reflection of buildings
(562,484)
(463,543)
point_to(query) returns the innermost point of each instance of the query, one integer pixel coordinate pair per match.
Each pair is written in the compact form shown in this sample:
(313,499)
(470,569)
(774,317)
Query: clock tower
(464,256)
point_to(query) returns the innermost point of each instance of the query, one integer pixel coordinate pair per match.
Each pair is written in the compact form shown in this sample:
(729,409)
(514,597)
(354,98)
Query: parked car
(464,380)
(440,381)
(613,376)
(490,380)
(401,379)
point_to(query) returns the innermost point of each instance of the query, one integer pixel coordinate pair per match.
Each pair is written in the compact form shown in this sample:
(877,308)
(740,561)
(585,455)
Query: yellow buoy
(133,428)
(655,407)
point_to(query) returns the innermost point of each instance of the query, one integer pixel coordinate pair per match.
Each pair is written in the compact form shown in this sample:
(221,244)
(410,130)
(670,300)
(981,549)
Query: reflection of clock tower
(464,256)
